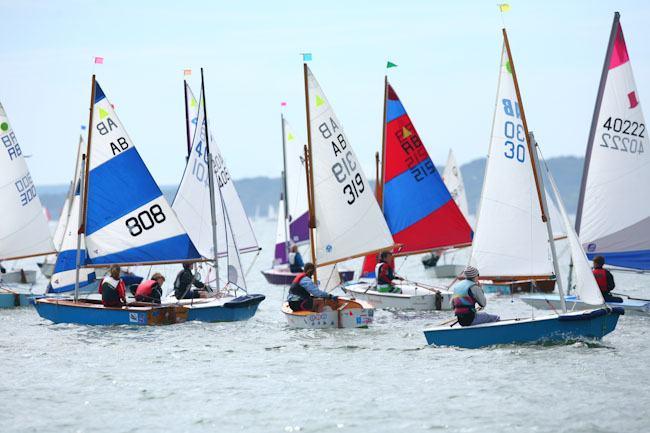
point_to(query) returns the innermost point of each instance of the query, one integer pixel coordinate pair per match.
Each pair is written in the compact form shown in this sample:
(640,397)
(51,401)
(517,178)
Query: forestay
(192,201)
(128,220)
(349,222)
(23,228)
(614,219)
(294,171)
(454,181)
(510,240)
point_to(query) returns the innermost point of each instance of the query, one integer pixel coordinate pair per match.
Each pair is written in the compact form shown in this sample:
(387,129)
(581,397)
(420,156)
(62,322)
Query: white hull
(446,271)
(412,297)
(19,276)
(350,316)
(552,302)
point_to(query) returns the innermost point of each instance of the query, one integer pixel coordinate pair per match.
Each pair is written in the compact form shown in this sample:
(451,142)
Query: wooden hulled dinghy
(343,313)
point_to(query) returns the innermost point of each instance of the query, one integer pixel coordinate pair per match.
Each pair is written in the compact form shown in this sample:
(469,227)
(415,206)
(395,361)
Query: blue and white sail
(128,220)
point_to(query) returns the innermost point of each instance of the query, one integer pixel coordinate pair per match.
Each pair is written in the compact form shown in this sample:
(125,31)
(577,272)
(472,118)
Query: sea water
(259,376)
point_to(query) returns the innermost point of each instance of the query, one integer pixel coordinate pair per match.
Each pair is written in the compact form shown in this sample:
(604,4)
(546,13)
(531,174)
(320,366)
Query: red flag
(99,60)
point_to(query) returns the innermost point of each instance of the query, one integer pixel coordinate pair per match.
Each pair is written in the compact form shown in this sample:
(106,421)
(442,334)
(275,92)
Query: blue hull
(11,300)
(92,313)
(592,324)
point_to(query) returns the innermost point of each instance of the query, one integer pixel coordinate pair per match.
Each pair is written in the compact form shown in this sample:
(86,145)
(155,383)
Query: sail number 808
(145,220)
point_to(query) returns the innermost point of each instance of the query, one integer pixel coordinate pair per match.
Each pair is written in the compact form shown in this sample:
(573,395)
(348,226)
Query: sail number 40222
(623,135)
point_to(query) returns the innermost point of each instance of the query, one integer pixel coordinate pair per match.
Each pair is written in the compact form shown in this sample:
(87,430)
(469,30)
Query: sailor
(303,292)
(112,289)
(605,280)
(468,293)
(150,290)
(184,282)
(385,273)
(295,259)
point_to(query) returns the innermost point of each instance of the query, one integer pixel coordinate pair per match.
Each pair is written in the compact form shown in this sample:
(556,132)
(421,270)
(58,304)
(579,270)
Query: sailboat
(512,144)
(125,220)
(24,231)
(345,220)
(609,222)
(293,213)
(420,212)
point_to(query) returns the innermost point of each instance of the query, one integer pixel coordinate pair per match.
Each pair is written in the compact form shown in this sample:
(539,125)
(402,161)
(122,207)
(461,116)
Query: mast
(84,171)
(213,212)
(187,120)
(549,229)
(594,119)
(310,176)
(523,120)
(380,182)
(377,180)
(82,194)
(285,189)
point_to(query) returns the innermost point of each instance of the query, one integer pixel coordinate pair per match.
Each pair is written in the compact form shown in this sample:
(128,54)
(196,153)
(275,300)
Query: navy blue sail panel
(128,220)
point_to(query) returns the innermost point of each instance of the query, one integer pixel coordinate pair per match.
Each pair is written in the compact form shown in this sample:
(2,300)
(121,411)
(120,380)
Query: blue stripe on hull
(628,259)
(591,325)
(407,201)
(11,300)
(117,187)
(176,248)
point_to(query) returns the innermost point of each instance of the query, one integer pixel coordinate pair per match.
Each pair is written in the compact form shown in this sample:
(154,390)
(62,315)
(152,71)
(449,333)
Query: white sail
(349,221)
(510,239)
(296,182)
(192,110)
(192,201)
(615,217)
(454,182)
(280,252)
(235,271)
(585,284)
(24,230)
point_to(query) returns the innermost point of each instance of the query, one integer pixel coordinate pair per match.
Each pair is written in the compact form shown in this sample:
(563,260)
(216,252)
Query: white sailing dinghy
(24,231)
(610,222)
(420,212)
(345,220)
(590,324)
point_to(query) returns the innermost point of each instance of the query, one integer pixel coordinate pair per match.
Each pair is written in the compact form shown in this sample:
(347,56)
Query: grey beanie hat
(470,272)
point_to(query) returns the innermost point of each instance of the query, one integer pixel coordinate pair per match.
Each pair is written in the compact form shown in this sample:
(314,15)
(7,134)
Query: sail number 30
(514,132)
(145,220)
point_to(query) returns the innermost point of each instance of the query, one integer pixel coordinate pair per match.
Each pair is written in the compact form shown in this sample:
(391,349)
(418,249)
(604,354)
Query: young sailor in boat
(184,282)
(150,290)
(385,273)
(295,259)
(468,293)
(304,295)
(605,280)
(112,289)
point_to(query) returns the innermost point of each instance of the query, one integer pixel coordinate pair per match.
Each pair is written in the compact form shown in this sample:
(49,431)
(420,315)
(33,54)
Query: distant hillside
(260,194)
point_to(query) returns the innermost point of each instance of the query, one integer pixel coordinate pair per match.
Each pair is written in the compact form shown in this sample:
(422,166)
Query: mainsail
(62,223)
(192,201)
(613,217)
(454,181)
(348,220)
(23,228)
(296,186)
(281,244)
(511,240)
(128,220)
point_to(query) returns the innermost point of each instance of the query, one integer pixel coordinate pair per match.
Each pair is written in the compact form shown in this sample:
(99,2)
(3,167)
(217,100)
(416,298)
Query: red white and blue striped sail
(128,219)
(613,217)
(420,212)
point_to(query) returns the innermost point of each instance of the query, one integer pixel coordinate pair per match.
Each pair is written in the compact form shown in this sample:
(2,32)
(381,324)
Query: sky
(448,54)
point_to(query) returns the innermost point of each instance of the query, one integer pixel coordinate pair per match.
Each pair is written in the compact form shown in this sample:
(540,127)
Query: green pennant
(390,64)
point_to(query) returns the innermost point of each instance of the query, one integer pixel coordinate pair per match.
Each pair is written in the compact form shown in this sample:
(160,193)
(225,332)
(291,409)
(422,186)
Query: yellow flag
(504,7)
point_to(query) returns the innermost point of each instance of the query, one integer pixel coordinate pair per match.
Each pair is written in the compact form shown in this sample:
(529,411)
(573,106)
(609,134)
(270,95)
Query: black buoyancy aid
(110,296)
(296,289)
(601,278)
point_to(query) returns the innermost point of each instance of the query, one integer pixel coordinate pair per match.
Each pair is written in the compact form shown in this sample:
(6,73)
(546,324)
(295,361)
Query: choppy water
(259,376)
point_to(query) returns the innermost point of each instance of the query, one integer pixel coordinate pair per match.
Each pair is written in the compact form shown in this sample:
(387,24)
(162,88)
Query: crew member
(184,282)
(295,259)
(112,289)
(150,290)
(605,280)
(468,293)
(385,273)
(303,291)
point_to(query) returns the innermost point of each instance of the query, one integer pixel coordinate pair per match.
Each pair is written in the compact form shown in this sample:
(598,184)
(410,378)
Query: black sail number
(145,220)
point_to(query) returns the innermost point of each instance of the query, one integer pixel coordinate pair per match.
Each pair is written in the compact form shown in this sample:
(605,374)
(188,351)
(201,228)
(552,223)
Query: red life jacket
(601,279)
(145,288)
(299,277)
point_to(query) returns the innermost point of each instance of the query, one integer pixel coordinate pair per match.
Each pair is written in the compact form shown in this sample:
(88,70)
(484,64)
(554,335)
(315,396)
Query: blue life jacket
(462,299)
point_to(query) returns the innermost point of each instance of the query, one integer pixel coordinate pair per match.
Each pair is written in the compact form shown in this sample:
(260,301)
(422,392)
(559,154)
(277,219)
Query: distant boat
(345,221)
(420,212)
(24,231)
(511,144)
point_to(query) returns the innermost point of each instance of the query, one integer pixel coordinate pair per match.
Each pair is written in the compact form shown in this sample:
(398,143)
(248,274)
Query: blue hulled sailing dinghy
(125,220)
(513,156)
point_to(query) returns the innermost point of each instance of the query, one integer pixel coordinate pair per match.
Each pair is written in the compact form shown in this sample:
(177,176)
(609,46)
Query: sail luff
(187,120)
(91,115)
(309,167)
(594,119)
